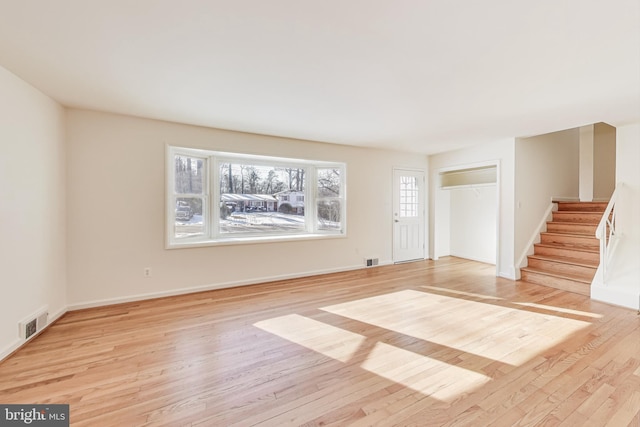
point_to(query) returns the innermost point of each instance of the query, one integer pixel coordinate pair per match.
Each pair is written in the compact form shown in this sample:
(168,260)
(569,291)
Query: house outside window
(291,201)
(223,198)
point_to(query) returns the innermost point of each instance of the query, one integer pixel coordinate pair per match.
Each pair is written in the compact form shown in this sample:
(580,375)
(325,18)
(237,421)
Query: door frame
(437,203)
(425,209)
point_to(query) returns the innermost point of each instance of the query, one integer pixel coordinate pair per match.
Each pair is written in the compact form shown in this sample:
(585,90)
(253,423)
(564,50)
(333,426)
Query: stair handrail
(606,231)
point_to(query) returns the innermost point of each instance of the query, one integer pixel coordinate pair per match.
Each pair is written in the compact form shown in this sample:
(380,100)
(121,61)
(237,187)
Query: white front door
(408,215)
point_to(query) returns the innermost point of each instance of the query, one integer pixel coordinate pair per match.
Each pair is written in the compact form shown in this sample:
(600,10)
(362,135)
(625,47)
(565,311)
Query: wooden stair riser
(556,282)
(572,228)
(571,240)
(582,206)
(572,216)
(562,267)
(567,252)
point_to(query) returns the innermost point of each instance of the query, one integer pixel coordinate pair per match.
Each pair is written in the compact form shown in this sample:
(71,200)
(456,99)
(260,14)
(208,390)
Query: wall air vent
(370,262)
(33,324)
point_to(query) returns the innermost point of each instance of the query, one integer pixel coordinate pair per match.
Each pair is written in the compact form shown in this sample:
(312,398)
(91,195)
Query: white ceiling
(421,75)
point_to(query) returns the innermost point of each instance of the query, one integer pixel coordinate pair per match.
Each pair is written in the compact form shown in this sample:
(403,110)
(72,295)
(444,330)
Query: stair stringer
(535,238)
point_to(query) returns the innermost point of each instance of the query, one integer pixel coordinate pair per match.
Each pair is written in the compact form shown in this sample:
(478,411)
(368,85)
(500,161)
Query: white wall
(622,285)
(440,221)
(604,161)
(32,212)
(116,211)
(473,223)
(501,153)
(597,162)
(628,172)
(586,163)
(547,166)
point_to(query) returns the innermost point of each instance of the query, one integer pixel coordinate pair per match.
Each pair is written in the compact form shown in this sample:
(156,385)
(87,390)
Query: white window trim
(211,212)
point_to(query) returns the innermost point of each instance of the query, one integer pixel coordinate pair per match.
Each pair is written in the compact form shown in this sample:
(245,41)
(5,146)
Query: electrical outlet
(147,272)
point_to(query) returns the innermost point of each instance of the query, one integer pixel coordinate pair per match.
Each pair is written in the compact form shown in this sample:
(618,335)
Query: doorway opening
(466,213)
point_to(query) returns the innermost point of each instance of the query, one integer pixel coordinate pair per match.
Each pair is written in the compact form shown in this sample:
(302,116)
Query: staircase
(569,252)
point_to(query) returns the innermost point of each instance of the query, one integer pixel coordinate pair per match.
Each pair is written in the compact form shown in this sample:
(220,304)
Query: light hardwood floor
(427,344)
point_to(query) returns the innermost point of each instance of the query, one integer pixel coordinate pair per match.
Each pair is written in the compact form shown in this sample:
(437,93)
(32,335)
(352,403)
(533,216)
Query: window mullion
(214,191)
(311,191)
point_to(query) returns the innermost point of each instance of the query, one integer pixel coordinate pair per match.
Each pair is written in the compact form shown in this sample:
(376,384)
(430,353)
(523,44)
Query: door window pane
(408,196)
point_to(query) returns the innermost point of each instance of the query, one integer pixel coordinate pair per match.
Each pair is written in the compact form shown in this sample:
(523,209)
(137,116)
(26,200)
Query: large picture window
(217,198)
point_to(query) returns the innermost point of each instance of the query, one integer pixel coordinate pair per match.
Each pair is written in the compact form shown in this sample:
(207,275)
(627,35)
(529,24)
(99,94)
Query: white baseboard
(473,258)
(8,350)
(509,275)
(19,342)
(210,287)
(16,344)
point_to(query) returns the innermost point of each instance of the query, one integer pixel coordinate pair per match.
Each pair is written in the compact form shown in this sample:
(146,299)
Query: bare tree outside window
(252,196)
(329,201)
(189,186)
(189,178)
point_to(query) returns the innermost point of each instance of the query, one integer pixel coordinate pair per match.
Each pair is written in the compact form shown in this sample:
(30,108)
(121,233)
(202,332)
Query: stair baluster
(606,233)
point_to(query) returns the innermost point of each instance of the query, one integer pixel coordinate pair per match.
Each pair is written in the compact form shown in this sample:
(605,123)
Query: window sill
(250,240)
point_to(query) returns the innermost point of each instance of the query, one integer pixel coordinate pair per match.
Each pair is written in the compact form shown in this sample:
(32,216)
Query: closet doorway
(467,206)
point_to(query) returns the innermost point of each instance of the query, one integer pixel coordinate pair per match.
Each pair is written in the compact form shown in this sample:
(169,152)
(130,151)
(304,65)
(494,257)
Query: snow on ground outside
(239,222)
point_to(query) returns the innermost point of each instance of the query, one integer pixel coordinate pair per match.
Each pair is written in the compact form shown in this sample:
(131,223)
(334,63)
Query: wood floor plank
(433,343)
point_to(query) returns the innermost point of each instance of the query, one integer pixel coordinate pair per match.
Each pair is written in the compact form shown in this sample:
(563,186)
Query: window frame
(212,236)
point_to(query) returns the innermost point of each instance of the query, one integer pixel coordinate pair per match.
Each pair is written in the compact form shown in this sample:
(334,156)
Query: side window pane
(329,199)
(329,212)
(189,174)
(328,182)
(261,199)
(188,217)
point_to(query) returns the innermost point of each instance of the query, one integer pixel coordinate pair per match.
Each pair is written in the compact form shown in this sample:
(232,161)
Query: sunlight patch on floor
(325,339)
(560,309)
(485,330)
(467,294)
(428,376)
(469,334)
(421,373)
